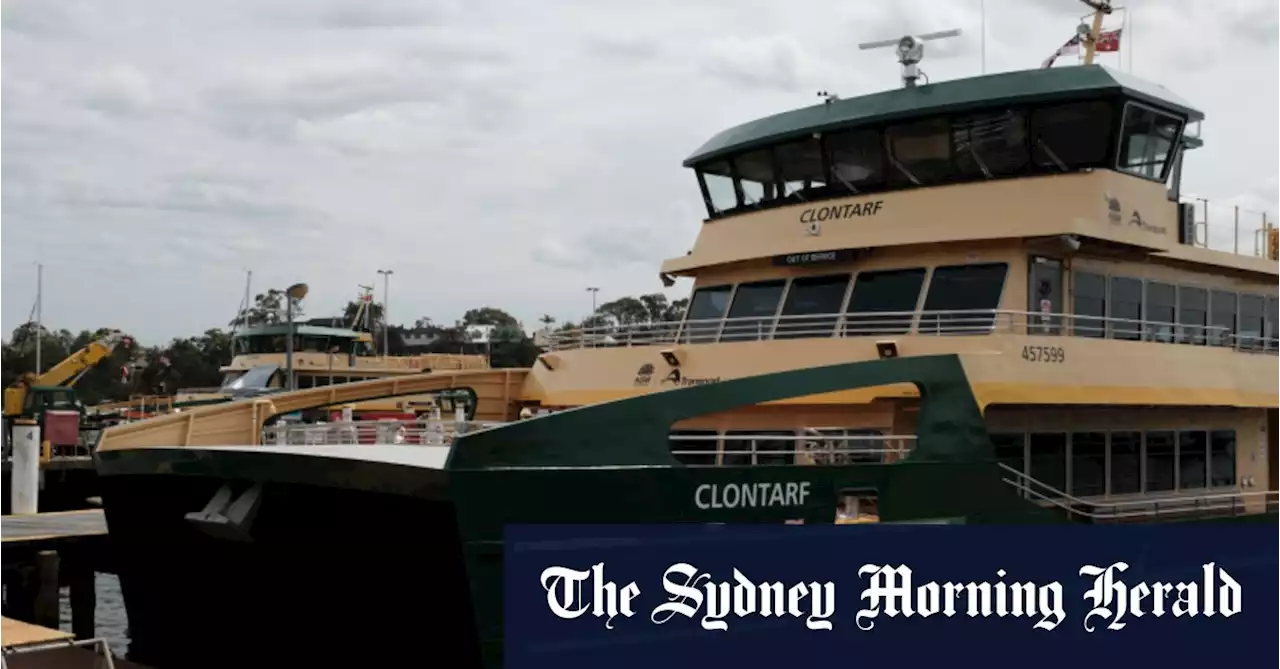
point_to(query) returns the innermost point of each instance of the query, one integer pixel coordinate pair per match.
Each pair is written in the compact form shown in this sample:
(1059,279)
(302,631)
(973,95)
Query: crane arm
(75,365)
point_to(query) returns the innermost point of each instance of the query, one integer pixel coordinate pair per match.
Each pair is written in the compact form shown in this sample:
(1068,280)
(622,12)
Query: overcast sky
(491,153)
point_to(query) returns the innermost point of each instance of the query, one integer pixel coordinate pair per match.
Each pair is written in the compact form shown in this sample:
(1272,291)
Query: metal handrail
(940,322)
(1174,504)
(371,432)
(821,449)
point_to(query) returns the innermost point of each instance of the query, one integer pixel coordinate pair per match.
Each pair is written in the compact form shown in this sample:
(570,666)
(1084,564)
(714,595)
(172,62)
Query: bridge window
(1193,453)
(1088,463)
(1161,455)
(800,166)
(756,176)
(883,302)
(753,309)
(1126,307)
(717,187)
(1089,304)
(919,153)
(816,297)
(1146,141)
(1222,317)
(990,145)
(700,451)
(1126,463)
(707,307)
(857,159)
(1252,323)
(1192,314)
(1162,303)
(963,290)
(1010,450)
(1222,458)
(1049,459)
(1068,137)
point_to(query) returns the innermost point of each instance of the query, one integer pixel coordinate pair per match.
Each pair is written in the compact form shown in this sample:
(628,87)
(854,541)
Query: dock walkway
(52,527)
(28,646)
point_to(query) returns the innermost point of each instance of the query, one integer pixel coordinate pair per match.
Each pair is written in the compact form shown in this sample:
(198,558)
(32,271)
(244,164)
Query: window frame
(1174,143)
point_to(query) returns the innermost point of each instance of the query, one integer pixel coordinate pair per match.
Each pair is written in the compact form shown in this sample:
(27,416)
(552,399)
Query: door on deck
(1045,294)
(1273,431)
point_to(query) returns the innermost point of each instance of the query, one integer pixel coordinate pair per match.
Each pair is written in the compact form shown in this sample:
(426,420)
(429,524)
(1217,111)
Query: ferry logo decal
(644,375)
(1113,209)
(675,378)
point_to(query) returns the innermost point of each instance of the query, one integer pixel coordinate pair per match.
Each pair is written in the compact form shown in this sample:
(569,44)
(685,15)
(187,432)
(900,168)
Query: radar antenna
(910,50)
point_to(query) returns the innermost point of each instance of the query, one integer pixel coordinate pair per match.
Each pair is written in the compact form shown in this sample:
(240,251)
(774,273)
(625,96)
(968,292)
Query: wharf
(28,646)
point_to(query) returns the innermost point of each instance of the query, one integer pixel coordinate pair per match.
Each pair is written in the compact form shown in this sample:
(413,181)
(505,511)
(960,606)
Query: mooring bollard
(25,477)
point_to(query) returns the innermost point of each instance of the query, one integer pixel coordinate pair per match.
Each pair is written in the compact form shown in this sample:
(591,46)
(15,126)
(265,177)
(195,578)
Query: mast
(1100,8)
(39,314)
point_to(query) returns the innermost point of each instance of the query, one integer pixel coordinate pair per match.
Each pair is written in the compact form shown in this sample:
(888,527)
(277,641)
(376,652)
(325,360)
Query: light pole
(594,291)
(386,301)
(294,293)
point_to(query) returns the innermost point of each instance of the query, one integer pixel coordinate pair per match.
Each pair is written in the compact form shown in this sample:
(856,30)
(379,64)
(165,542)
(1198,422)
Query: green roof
(280,329)
(1028,86)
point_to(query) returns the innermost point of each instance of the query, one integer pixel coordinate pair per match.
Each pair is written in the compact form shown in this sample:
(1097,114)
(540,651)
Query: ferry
(970,301)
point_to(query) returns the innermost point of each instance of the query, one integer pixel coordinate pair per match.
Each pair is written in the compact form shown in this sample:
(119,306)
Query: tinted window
(1089,304)
(706,308)
(1161,305)
(963,288)
(1222,458)
(919,153)
(1010,450)
(1146,141)
(1160,461)
(857,160)
(1088,463)
(817,297)
(1126,307)
(1252,323)
(895,291)
(1126,462)
(757,177)
(1070,136)
(700,451)
(1273,322)
(1193,451)
(718,180)
(800,166)
(1049,459)
(775,451)
(1222,318)
(754,306)
(1193,314)
(990,145)
(737,451)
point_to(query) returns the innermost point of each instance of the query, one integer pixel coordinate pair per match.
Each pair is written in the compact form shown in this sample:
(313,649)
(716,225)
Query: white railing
(867,324)
(819,446)
(370,432)
(1209,503)
(1230,228)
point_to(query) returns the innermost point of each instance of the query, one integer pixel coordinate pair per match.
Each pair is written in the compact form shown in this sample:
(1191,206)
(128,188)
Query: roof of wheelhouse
(1023,87)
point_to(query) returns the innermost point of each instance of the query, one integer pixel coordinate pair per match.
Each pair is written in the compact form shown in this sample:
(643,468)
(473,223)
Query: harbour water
(109,614)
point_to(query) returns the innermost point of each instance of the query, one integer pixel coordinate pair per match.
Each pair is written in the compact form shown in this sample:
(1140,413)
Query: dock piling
(46,604)
(24,480)
(82,582)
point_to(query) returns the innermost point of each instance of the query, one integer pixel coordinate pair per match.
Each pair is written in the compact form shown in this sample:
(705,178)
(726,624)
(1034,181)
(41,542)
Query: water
(110,620)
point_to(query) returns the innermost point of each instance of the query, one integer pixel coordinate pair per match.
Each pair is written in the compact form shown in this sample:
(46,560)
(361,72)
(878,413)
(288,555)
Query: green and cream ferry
(978,301)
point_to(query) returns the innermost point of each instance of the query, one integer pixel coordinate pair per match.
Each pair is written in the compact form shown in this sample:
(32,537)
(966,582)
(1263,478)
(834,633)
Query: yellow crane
(32,394)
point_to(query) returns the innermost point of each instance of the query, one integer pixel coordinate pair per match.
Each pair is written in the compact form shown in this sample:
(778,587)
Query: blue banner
(663,597)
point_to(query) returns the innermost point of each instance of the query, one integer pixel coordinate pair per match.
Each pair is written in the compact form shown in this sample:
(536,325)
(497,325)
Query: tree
(489,316)
(268,309)
(624,311)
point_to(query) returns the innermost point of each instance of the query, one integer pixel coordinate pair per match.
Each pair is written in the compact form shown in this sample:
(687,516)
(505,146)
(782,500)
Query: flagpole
(982,10)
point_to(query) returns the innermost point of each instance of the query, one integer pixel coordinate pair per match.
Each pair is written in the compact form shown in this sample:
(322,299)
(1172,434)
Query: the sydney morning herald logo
(891,591)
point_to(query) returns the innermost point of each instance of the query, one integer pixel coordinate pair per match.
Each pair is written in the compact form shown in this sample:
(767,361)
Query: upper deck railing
(1232,228)
(870,324)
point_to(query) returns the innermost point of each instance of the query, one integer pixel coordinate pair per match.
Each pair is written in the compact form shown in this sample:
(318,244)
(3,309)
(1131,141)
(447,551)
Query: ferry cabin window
(1222,458)
(1162,303)
(883,302)
(780,451)
(812,307)
(964,292)
(919,154)
(695,451)
(800,167)
(706,308)
(1146,141)
(1126,463)
(1222,318)
(1088,463)
(1089,304)
(1160,463)
(1193,314)
(754,307)
(1048,459)
(857,160)
(1252,323)
(1193,451)
(1010,450)
(990,145)
(758,182)
(717,187)
(1126,308)
(1068,137)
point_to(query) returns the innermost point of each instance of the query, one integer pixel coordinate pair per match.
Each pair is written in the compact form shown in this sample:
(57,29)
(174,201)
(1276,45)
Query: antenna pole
(1100,7)
(982,10)
(39,314)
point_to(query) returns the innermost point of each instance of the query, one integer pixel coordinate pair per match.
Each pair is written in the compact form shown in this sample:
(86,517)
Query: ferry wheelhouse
(978,301)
